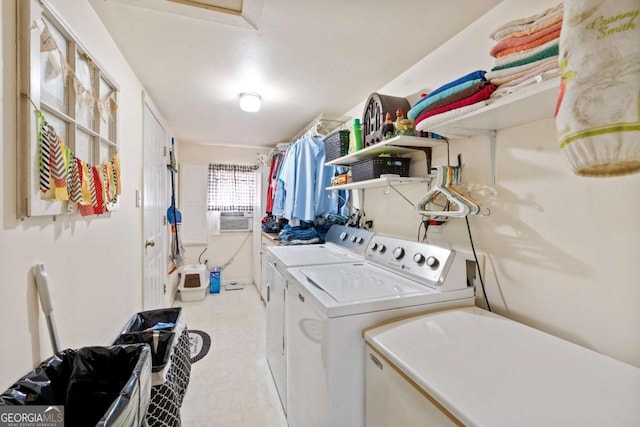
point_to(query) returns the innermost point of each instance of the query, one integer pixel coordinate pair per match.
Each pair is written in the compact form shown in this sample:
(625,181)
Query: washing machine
(343,245)
(328,307)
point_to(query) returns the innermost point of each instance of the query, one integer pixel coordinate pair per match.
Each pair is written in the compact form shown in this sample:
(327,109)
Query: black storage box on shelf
(336,144)
(366,169)
(97,386)
(171,361)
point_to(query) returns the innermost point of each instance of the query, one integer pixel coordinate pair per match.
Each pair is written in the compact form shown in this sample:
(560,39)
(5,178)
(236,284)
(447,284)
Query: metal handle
(268,292)
(149,243)
(375,360)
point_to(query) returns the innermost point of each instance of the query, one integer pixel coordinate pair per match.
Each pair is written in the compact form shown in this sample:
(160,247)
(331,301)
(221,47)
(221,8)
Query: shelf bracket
(428,153)
(491,136)
(389,186)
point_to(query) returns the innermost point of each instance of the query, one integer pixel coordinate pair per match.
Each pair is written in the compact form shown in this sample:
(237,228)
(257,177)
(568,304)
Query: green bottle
(355,137)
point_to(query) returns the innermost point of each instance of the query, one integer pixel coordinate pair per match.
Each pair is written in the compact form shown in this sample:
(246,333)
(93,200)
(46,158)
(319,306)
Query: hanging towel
(598,110)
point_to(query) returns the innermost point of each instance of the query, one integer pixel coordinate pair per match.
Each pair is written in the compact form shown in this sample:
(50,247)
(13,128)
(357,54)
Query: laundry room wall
(563,250)
(221,247)
(94,264)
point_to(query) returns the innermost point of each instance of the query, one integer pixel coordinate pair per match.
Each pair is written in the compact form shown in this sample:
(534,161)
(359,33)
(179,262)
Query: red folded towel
(481,95)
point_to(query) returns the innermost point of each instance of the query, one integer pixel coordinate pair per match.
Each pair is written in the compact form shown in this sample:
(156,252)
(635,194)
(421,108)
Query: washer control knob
(373,246)
(398,252)
(354,238)
(432,262)
(359,240)
(419,258)
(382,249)
(344,235)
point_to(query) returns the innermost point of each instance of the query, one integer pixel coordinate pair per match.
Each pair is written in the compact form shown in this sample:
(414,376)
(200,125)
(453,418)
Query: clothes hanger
(444,185)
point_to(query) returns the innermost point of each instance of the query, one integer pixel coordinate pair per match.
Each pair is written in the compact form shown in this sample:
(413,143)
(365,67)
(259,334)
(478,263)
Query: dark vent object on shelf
(336,144)
(366,169)
(374,112)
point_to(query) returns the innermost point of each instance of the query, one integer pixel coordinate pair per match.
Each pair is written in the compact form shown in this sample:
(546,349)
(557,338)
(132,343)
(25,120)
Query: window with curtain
(232,187)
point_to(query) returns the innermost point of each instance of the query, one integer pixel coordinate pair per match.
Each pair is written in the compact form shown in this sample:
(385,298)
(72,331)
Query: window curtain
(232,187)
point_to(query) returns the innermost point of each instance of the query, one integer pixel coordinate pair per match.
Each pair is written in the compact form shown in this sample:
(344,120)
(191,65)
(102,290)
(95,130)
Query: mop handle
(42,285)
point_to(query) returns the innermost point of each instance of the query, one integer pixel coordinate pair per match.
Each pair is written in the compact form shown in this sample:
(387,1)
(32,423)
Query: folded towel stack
(457,97)
(526,51)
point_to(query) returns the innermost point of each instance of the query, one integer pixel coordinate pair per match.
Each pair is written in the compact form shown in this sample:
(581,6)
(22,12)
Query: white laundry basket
(190,274)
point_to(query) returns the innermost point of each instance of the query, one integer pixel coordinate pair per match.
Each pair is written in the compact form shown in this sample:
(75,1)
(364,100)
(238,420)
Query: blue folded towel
(428,100)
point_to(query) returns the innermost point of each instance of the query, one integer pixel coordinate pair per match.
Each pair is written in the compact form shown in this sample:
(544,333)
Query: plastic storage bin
(336,144)
(98,386)
(165,330)
(366,169)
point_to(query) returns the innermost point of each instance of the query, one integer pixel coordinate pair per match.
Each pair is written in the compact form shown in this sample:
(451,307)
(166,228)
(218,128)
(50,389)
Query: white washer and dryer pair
(327,307)
(343,245)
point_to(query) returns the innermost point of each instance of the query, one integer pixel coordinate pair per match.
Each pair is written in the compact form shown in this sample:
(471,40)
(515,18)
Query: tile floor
(232,386)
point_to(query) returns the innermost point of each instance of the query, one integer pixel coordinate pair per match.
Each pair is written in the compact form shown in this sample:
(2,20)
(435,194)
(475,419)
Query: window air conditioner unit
(235,221)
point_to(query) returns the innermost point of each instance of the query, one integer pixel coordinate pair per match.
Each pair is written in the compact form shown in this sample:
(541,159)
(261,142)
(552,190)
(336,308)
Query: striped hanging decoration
(45,154)
(64,177)
(75,181)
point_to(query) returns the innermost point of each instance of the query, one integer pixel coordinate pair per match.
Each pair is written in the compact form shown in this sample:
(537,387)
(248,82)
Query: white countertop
(491,371)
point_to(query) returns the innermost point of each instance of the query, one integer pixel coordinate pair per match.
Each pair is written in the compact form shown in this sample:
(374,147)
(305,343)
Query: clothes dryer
(343,245)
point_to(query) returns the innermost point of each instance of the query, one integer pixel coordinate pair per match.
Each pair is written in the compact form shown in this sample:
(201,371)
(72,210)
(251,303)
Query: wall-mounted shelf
(397,145)
(381,182)
(536,102)
(526,105)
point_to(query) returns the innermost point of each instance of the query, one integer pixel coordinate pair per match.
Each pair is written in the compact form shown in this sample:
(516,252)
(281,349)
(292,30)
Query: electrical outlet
(436,229)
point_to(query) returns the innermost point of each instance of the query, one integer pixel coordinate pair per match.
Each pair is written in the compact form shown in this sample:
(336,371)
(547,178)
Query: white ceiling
(305,57)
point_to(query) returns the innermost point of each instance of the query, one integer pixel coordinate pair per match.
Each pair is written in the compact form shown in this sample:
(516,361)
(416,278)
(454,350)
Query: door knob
(149,243)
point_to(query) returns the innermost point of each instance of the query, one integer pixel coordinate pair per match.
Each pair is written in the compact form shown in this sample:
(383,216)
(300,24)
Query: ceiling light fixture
(250,102)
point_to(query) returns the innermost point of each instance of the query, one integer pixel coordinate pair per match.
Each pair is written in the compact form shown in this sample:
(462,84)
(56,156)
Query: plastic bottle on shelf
(355,136)
(214,280)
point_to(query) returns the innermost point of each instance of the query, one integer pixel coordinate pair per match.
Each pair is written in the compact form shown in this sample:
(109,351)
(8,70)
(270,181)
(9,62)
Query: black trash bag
(98,386)
(148,319)
(161,341)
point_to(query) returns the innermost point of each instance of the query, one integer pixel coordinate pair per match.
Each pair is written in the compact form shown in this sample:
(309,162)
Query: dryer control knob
(359,240)
(419,259)
(354,238)
(373,246)
(344,235)
(382,249)
(432,262)
(398,252)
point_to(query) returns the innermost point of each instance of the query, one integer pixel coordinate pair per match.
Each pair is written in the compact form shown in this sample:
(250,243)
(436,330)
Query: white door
(155,204)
